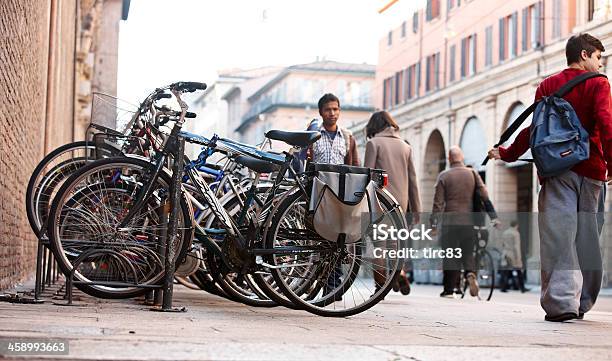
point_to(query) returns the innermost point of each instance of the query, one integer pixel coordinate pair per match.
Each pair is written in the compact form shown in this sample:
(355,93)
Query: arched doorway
(517,182)
(434,162)
(522,171)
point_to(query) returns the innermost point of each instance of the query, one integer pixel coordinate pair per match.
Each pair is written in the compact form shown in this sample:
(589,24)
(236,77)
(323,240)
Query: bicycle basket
(343,200)
(111,113)
(110,121)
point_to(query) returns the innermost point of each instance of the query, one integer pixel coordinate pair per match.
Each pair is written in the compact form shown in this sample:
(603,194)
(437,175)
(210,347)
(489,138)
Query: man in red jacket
(568,203)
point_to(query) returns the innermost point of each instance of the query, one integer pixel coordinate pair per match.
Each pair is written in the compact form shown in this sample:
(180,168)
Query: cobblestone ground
(421,326)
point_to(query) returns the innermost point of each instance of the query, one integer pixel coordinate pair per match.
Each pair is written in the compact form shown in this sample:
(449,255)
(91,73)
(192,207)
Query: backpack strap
(560,93)
(512,128)
(567,87)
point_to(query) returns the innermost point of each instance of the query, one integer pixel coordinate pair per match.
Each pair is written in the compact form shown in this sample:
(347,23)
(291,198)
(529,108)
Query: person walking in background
(454,196)
(571,260)
(511,257)
(386,150)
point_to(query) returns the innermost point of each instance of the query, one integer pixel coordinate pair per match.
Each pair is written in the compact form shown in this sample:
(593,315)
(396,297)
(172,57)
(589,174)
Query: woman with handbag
(386,150)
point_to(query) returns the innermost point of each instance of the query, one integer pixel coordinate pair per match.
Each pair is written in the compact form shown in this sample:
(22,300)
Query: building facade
(289,99)
(48,53)
(458,73)
(212,106)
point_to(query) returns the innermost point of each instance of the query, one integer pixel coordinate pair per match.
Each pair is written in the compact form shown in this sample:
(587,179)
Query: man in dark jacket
(569,248)
(453,203)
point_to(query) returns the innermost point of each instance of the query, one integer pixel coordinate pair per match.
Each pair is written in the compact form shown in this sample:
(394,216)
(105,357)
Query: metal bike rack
(160,294)
(177,150)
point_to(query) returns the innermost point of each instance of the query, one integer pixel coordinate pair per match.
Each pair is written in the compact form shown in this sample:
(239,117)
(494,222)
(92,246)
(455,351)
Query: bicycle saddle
(256,165)
(297,139)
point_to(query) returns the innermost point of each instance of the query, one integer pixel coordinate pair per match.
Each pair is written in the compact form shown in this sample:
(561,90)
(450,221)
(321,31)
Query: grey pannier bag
(341,196)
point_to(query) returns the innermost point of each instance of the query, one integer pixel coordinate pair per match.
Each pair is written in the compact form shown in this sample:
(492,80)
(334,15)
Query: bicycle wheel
(305,263)
(49,175)
(485,274)
(86,212)
(237,286)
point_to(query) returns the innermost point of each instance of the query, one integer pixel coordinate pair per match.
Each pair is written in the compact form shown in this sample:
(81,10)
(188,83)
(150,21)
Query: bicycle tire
(63,258)
(33,190)
(320,307)
(485,273)
(239,291)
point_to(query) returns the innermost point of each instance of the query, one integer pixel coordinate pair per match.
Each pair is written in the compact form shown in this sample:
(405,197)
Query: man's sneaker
(472,284)
(562,317)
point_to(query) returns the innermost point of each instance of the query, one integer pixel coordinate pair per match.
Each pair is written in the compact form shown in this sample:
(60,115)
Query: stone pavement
(421,326)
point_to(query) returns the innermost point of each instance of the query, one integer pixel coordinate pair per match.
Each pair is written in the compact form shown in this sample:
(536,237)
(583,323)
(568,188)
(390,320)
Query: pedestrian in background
(511,258)
(386,150)
(454,198)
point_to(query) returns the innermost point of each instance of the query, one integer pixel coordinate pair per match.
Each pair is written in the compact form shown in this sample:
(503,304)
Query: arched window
(515,110)
(474,143)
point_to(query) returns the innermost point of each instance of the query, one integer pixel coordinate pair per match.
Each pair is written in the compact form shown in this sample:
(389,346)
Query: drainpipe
(77,20)
(50,69)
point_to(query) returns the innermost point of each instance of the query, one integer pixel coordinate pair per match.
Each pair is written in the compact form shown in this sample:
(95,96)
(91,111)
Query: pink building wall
(453,25)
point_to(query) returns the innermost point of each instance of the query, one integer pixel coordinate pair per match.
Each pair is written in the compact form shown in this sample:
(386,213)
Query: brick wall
(25,124)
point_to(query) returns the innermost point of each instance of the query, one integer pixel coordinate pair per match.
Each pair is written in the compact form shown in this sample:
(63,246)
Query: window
(409,94)
(536,25)
(450,4)
(525,29)
(489,46)
(365,94)
(398,88)
(418,79)
(472,52)
(556,32)
(468,56)
(340,90)
(432,71)
(502,40)
(387,93)
(437,71)
(433,9)
(404,29)
(411,80)
(415,22)
(452,63)
(428,74)
(512,34)
(390,38)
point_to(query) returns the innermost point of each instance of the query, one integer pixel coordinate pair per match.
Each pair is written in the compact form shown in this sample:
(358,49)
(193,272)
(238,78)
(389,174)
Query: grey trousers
(570,222)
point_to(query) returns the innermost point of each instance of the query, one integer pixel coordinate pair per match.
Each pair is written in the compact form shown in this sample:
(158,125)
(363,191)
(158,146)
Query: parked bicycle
(257,242)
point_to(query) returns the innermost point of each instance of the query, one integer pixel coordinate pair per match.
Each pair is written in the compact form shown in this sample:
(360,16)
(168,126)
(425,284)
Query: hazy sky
(169,40)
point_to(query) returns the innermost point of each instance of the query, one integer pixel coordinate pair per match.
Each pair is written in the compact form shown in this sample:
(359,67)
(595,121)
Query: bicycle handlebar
(188,86)
(162,96)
